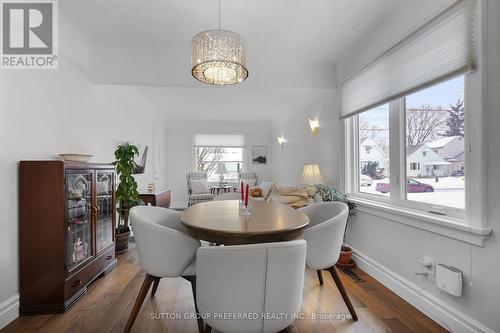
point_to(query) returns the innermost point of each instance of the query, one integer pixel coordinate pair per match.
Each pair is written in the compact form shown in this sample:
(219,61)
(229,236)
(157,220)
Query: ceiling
(291,43)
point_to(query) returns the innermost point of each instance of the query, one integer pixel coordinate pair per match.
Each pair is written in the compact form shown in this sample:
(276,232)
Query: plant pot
(122,242)
(345,259)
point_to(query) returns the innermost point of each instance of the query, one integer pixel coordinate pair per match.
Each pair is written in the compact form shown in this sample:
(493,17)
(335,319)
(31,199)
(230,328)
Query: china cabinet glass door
(79,217)
(104,223)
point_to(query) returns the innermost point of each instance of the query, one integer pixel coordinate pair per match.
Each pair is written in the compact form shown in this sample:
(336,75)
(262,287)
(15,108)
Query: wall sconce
(314,123)
(281,141)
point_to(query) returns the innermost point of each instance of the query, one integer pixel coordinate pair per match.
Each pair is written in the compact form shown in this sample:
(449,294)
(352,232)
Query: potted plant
(127,195)
(330,193)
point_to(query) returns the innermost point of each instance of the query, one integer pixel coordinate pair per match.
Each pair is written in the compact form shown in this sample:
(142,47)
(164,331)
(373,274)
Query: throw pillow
(199,186)
(311,191)
(255,192)
(294,191)
(286,189)
(285,199)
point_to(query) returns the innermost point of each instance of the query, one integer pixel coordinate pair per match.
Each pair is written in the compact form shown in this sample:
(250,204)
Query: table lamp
(311,175)
(221,171)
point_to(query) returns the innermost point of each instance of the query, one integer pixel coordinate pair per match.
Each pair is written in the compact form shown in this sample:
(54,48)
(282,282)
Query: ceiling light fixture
(219,57)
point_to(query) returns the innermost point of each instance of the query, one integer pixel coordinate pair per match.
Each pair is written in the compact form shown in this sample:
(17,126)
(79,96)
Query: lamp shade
(311,175)
(221,169)
(219,57)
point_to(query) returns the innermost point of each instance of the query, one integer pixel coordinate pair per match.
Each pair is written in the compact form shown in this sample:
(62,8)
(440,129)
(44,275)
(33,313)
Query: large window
(219,155)
(374,151)
(217,161)
(435,149)
(432,82)
(431,159)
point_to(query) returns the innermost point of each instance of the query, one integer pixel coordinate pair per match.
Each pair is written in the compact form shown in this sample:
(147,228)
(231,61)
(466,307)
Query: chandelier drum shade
(219,57)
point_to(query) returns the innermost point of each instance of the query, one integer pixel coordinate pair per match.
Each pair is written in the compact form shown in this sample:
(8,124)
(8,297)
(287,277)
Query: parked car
(412,186)
(383,187)
(458,173)
(378,174)
(365,180)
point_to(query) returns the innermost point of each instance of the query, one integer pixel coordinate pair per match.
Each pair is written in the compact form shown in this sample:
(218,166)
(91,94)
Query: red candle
(246,196)
(242,197)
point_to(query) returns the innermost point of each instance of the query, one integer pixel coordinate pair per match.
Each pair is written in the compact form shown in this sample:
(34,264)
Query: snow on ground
(444,182)
(448,191)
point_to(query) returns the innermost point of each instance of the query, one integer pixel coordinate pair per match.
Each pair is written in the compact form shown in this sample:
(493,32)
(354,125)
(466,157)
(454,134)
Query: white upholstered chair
(256,278)
(324,240)
(165,250)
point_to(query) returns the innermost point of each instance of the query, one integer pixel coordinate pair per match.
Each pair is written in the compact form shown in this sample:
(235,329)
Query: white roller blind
(219,140)
(441,48)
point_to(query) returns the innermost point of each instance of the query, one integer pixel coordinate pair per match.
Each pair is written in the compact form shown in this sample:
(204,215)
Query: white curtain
(440,49)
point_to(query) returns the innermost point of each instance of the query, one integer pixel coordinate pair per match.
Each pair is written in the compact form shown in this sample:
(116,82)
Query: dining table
(224,223)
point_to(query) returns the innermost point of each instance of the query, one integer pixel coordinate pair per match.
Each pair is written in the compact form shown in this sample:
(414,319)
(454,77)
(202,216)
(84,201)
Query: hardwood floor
(109,300)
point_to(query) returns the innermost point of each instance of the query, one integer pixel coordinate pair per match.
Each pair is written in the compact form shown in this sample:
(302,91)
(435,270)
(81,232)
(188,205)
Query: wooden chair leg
(320,277)
(146,284)
(156,283)
(192,279)
(343,292)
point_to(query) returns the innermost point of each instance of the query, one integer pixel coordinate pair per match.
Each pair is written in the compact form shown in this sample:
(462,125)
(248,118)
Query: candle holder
(245,211)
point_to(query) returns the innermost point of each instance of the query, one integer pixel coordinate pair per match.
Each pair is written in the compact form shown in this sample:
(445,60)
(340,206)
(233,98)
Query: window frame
(475,228)
(243,162)
(471,220)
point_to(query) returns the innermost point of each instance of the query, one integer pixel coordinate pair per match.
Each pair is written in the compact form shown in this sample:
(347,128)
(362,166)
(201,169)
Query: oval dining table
(221,222)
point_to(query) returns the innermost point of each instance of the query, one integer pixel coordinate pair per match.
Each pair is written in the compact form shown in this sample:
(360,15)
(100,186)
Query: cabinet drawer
(89,272)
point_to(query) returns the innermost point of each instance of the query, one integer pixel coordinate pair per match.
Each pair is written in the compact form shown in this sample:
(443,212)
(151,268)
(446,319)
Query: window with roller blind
(418,109)
(214,153)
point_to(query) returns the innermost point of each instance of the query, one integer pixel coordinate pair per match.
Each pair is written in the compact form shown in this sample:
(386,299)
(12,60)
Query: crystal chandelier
(219,57)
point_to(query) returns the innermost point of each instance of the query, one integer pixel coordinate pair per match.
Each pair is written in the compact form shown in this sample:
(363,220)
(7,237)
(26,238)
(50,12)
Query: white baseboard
(9,310)
(441,312)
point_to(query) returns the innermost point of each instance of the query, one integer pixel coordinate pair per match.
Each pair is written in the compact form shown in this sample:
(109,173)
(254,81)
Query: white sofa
(294,195)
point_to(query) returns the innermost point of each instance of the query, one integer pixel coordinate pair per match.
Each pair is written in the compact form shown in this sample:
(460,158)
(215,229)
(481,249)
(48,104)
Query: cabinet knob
(109,257)
(76,283)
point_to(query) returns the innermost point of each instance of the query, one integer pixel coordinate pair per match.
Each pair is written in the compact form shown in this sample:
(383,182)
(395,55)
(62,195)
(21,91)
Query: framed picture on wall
(259,154)
(140,160)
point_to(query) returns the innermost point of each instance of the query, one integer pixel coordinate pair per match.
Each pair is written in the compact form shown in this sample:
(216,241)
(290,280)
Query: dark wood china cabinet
(66,230)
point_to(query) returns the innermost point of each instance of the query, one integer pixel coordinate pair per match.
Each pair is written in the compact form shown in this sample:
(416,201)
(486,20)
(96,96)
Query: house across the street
(451,149)
(369,151)
(422,161)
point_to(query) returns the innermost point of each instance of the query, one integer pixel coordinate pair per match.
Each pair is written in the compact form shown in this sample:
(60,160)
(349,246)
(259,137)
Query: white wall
(44,113)
(398,246)
(180,158)
(301,147)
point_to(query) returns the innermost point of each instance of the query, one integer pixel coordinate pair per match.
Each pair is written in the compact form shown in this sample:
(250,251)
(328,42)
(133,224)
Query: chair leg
(343,292)
(156,283)
(208,329)
(320,277)
(146,284)
(192,279)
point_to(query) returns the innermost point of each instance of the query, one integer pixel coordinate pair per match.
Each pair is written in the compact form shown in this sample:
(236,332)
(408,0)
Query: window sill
(442,225)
